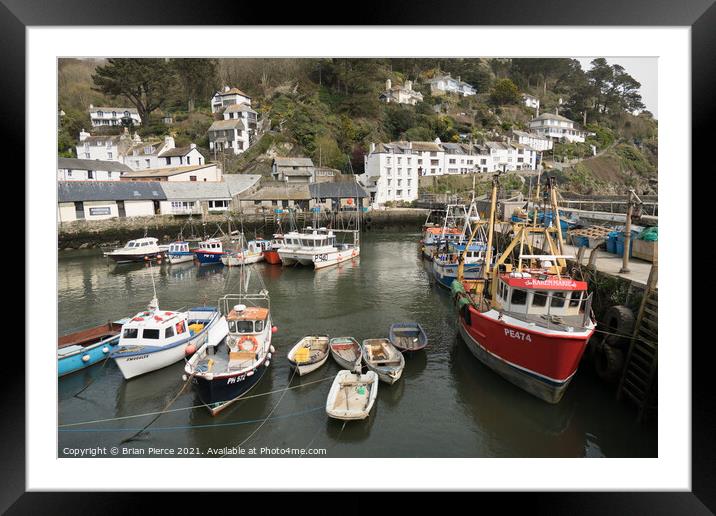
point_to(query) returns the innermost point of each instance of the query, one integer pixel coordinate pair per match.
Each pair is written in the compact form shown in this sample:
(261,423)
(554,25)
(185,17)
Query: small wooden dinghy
(352,395)
(383,358)
(310,353)
(346,351)
(408,336)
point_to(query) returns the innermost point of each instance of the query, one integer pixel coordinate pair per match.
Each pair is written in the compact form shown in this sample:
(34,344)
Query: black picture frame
(700,15)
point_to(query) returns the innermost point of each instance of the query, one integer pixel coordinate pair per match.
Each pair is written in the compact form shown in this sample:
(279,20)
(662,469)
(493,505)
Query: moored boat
(222,372)
(139,250)
(309,353)
(318,248)
(154,338)
(209,251)
(528,321)
(271,254)
(384,359)
(352,395)
(179,252)
(408,336)
(346,352)
(81,349)
(253,253)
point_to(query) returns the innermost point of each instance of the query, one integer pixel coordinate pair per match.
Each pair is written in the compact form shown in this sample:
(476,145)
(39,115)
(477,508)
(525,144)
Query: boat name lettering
(235,379)
(550,283)
(517,335)
(321,257)
(138,357)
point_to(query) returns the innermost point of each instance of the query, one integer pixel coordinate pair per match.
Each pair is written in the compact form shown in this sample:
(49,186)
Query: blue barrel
(582,241)
(612,244)
(620,248)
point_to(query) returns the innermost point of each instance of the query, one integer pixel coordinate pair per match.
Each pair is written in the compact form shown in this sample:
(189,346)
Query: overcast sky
(643,69)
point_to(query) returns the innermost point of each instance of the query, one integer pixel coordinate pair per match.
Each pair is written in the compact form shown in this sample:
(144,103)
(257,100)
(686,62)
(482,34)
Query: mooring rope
(268,416)
(77,394)
(78,423)
(191,427)
(131,438)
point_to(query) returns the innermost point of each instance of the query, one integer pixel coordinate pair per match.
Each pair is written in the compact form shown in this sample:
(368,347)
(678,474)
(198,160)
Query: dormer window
(100,113)
(114,114)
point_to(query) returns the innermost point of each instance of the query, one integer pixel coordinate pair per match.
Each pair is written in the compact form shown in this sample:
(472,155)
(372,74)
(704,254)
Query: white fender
(105,349)
(85,358)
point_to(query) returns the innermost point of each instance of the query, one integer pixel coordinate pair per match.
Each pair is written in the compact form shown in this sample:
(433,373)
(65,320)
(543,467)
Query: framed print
(418,252)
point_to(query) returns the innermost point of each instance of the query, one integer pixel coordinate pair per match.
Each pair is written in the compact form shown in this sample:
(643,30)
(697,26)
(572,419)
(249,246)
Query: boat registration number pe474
(517,335)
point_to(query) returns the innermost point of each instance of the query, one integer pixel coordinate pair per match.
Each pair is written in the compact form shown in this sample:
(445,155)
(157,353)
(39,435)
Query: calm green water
(447,404)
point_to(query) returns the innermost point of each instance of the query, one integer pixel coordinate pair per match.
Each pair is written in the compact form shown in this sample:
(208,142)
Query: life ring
(241,343)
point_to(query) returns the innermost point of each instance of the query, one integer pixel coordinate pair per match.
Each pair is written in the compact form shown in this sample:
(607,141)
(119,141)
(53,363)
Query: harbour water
(447,404)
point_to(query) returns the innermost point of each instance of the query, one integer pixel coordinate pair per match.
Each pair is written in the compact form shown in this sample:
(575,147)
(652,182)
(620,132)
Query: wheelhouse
(245,320)
(212,246)
(542,294)
(154,328)
(141,242)
(179,247)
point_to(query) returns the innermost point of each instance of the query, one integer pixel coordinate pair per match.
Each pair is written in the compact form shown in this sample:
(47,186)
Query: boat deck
(560,323)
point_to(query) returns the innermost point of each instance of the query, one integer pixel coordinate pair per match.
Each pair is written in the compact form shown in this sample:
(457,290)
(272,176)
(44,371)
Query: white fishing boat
(352,395)
(310,353)
(139,250)
(346,352)
(383,358)
(253,253)
(156,338)
(179,252)
(318,247)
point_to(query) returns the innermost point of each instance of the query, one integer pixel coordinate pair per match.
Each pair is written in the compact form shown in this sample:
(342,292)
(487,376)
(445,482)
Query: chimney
(372,147)
(408,85)
(91,107)
(83,135)
(168,142)
(192,145)
(388,84)
(226,88)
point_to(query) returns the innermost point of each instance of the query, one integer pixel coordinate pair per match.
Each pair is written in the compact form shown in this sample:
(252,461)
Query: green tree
(504,91)
(146,83)
(198,78)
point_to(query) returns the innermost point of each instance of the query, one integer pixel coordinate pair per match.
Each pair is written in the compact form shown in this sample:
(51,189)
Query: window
(126,113)
(576,298)
(148,162)
(169,161)
(519,297)
(90,174)
(130,333)
(188,160)
(259,326)
(192,178)
(114,114)
(539,298)
(558,299)
(100,113)
(150,333)
(169,332)
(245,326)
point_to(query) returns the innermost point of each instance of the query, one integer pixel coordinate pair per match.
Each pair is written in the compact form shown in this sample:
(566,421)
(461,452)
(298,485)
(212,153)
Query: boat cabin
(247,320)
(312,238)
(141,242)
(475,253)
(259,245)
(179,247)
(213,245)
(156,328)
(540,293)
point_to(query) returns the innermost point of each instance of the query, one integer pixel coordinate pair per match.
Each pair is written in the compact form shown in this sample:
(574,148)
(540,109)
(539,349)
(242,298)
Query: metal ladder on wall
(638,377)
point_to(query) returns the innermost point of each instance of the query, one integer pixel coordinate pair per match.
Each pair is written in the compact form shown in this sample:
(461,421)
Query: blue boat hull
(95,352)
(444,276)
(207,258)
(219,392)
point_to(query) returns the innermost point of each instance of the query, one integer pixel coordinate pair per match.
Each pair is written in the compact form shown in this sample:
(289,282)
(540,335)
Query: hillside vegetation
(328,109)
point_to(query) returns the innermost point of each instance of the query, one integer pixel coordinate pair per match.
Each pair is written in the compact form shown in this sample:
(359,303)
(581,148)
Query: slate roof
(293,162)
(195,190)
(221,125)
(232,91)
(91,164)
(176,151)
(236,108)
(74,191)
(337,190)
(551,116)
(165,172)
(238,183)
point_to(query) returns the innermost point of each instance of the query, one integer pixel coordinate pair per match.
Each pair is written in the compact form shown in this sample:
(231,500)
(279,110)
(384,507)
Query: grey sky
(643,69)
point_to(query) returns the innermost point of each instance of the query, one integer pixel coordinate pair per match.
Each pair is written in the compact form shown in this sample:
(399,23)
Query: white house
(112,116)
(401,94)
(184,198)
(105,148)
(227,97)
(443,84)
(459,158)
(392,169)
(537,142)
(72,169)
(97,200)
(557,127)
(231,134)
(530,101)
(200,173)
(496,156)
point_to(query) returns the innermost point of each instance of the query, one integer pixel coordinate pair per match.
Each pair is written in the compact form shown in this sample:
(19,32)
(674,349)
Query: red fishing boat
(529,320)
(271,254)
